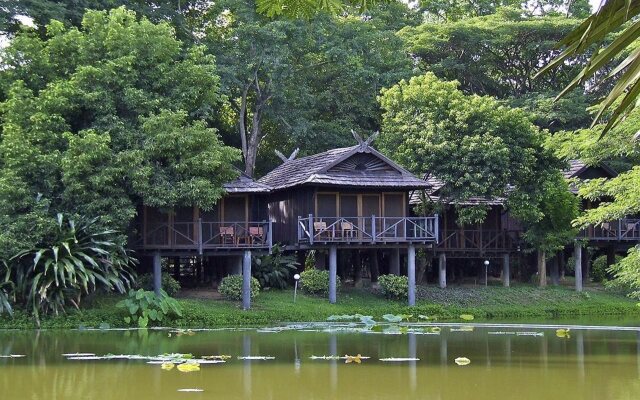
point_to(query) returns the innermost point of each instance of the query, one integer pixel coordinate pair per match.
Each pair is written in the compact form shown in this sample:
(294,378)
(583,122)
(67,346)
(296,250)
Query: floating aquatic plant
(220,357)
(190,390)
(462,361)
(353,359)
(256,358)
(467,317)
(12,356)
(397,359)
(189,367)
(167,366)
(563,333)
(462,329)
(324,357)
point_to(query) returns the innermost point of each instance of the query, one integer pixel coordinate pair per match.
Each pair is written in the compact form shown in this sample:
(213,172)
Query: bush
(315,281)
(599,268)
(231,287)
(275,270)
(394,286)
(169,284)
(144,307)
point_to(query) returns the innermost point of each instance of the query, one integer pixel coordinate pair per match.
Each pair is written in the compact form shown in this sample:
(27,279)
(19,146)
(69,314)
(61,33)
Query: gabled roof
(333,168)
(578,167)
(244,184)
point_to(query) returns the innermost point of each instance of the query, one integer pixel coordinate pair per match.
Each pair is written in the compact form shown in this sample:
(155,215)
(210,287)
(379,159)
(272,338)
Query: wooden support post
(394,265)
(578,266)
(442,270)
(506,266)
(411,273)
(333,271)
(157,273)
(246,280)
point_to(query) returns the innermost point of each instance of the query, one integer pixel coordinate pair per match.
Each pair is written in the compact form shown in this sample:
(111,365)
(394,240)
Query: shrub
(599,268)
(231,287)
(79,259)
(394,286)
(315,281)
(169,284)
(144,307)
(274,270)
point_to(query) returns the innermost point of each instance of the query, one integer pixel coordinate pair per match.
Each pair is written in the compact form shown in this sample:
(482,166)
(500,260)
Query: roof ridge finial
(365,142)
(285,158)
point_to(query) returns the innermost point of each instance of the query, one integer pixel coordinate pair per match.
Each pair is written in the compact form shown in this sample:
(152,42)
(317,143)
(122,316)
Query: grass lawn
(273,307)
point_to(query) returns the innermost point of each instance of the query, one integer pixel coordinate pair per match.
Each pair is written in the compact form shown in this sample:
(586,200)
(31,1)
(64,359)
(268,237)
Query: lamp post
(295,287)
(486,267)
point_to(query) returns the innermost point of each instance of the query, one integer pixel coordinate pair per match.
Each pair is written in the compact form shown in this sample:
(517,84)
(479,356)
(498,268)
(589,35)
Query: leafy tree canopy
(99,119)
(294,83)
(476,146)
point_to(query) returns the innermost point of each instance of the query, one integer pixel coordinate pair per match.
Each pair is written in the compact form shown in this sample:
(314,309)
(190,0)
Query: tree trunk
(357,269)
(542,268)
(421,272)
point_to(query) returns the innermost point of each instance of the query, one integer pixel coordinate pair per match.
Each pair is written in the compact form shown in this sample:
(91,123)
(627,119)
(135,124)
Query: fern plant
(6,289)
(275,270)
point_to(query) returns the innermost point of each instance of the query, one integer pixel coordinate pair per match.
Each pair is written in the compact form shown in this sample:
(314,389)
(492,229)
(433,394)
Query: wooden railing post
(436,229)
(619,233)
(373,229)
(311,230)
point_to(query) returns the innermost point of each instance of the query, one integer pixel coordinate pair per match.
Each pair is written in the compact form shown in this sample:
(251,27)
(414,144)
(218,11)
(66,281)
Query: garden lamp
(295,287)
(486,267)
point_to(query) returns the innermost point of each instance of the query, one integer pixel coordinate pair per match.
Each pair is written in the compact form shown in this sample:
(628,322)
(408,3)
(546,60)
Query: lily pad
(398,359)
(467,317)
(167,366)
(563,333)
(189,367)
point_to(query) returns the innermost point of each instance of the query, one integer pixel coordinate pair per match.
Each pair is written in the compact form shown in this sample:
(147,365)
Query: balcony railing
(367,229)
(622,230)
(481,240)
(201,235)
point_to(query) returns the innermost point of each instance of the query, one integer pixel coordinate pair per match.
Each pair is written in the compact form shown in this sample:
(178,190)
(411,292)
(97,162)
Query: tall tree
(293,83)
(100,119)
(477,147)
(497,54)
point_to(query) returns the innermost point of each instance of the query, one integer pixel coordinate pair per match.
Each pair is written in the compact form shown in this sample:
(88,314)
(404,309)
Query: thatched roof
(356,166)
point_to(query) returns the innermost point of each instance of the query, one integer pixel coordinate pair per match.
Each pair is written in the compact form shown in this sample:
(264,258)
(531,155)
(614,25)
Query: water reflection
(588,365)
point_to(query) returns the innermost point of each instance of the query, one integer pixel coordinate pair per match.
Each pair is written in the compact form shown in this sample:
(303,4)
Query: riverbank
(274,307)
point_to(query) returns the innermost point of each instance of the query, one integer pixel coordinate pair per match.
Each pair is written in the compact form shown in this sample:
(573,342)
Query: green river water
(524,362)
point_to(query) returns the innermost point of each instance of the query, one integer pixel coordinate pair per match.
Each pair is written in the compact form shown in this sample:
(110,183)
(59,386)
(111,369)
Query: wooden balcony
(622,230)
(479,241)
(201,235)
(370,230)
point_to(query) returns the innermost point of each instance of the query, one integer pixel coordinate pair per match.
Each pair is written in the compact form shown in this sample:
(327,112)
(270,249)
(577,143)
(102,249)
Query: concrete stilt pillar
(246,280)
(411,274)
(506,266)
(394,266)
(157,274)
(578,266)
(333,270)
(442,270)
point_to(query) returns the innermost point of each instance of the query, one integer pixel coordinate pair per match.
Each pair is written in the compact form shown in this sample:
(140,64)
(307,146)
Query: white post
(411,272)
(157,273)
(505,270)
(333,271)
(578,266)
(442,270)
(246,280)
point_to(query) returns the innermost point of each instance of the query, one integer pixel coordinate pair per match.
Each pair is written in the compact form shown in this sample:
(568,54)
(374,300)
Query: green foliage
(627,272)
(474,145)
(77,260)
(614,16)
(293,83)
(599,268)
(394,286)
(169,284)
(306,9)
(231,287)
(315,281)
(99,118)
(274,270)
(145,308)
(461,9)
(6,289)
